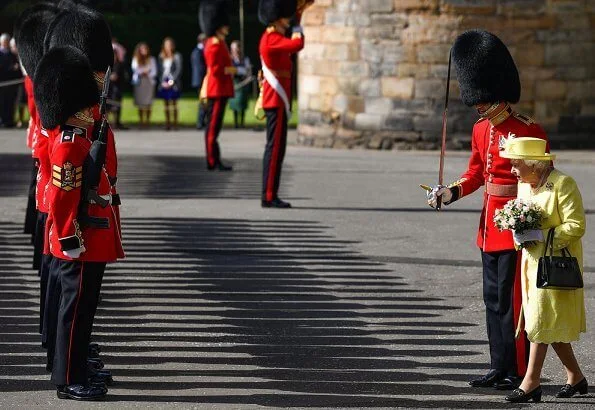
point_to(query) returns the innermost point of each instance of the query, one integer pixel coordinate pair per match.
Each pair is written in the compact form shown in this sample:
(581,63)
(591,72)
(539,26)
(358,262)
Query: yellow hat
(526,148)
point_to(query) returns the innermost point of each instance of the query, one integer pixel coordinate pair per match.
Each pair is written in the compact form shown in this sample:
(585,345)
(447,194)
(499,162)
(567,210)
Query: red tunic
(44,172)
(67,155)
(486,165)
(33,118)
(218,82)
(275,51)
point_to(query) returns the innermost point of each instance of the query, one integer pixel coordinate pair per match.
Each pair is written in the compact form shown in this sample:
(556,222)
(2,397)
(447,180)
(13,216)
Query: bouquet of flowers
(519,216)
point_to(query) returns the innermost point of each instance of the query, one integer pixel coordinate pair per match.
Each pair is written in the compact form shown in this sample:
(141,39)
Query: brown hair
(173,47)
(140,59)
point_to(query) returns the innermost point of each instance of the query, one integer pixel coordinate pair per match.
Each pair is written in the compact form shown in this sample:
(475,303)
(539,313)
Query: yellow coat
(554,315)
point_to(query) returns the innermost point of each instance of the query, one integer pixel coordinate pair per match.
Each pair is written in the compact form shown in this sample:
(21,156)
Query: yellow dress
(554,315)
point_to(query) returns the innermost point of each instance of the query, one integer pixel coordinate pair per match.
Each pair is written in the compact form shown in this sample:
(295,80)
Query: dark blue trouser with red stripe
(214,119)
(80,283)
(274,152)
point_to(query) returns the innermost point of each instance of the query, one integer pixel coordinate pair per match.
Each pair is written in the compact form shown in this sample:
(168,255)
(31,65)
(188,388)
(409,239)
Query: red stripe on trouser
(274,164)
(76,308)
(517,301)
(212,133)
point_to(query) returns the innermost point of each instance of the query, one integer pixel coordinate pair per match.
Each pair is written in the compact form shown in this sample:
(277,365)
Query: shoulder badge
(67,177)
(215,40)
(525,119)
(67,136)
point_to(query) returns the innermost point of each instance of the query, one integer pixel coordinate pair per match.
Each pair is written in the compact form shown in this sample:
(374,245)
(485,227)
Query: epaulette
(525,119)
(67,136)
(215,40)
(271,29)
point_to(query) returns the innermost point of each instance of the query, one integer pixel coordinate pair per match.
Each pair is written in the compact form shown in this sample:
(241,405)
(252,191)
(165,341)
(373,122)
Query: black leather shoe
(222,167)
(507,383)
(275,203)
(96,364)
(488,380)
(101,376)
(81,392)
(519,396)
(94,351)
(567,391)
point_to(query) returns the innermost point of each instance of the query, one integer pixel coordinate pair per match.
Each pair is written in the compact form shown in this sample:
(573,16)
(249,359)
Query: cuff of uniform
(70,243)
(116,201)
(456,194)
(298,29)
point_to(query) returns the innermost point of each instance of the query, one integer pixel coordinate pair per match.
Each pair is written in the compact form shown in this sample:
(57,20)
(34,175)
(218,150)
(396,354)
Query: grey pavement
(359,297)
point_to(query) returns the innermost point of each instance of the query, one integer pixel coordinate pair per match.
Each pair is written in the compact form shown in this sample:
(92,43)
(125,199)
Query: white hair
(537,163)
(4,37)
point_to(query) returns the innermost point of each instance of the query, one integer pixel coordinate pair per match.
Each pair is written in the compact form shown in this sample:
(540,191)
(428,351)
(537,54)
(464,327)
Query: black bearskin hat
(85,29)
(29,32)
(212,15)
(485,69)
(272,10)
(63,85)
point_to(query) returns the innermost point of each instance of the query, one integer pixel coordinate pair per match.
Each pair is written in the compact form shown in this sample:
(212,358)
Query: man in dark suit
(199,70)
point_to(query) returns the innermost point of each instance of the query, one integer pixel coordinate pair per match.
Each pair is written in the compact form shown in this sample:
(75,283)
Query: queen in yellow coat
(555,317)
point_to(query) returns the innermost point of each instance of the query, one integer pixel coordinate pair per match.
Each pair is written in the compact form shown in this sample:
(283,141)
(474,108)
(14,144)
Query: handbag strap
(549,242)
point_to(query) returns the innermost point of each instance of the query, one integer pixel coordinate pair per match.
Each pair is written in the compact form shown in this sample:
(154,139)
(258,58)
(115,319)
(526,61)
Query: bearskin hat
(212,15)
(85,29)
(485,69)
(29,32)
(63,85)
(272,10)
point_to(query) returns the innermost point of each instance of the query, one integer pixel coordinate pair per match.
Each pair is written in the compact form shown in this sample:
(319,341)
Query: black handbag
(558,272)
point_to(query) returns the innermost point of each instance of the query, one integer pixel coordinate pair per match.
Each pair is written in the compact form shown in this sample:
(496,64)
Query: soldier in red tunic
(80,242)
(217,86)
(29,35)
(88,31)
(489,81)
(276,52)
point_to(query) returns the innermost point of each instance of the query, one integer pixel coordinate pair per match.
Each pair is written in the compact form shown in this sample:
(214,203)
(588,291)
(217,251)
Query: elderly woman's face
(522,171)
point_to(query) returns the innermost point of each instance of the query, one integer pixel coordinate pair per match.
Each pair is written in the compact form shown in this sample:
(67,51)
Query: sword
(104,92)
(444,121)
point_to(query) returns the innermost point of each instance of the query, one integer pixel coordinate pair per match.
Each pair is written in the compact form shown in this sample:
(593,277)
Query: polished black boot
(101,376)
(81,392)
(488,380)
(567,391)
(519,396)
(275,203)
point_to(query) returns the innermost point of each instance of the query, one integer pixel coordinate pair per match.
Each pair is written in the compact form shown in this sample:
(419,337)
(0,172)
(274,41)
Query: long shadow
(252,309)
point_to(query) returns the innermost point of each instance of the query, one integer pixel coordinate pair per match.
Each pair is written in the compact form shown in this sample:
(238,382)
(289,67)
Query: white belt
(274,82)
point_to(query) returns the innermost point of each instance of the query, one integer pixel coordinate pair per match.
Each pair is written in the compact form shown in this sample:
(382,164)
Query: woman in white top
(170,81)
(144,74)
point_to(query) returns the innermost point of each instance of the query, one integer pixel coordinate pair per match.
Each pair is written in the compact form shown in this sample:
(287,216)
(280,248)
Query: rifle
(93,167)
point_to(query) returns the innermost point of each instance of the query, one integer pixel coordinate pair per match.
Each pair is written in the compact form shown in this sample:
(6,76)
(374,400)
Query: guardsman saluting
(29,34)
(489,81)
(217,86)
(276,51)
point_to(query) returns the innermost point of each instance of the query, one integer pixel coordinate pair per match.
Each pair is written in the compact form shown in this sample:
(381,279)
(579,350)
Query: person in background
(117,79)
(21,98)
(239,103)
(9,70)
(199,70)
(119,50)
(144,73)
(170,81)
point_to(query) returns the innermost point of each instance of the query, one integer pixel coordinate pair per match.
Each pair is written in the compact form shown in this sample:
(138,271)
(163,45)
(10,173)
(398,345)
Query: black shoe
(96,364)
(94,348)
(519,396)
(567,391)
(122,127)
(488,380)
(275,203)
(221,167)
(101,376)
(507,383)
(81,392)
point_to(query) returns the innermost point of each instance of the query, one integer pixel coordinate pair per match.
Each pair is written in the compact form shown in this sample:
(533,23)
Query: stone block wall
(373,72)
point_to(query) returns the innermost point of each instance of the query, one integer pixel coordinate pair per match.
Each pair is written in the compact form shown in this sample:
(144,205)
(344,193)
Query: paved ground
(359,297)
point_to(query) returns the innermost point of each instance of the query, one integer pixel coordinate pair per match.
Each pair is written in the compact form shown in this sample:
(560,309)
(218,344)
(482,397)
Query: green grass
(187,112)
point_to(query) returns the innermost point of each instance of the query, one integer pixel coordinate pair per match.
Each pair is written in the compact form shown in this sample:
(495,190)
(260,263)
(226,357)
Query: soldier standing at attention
(276,51)
(217,86)
(80,242)
(489,81)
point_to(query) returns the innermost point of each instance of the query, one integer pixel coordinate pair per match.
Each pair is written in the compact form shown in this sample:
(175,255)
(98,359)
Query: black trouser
(498,280)
(31,213)
(38,240)
(80,283)
(201,117)
(274,152)
(214,119)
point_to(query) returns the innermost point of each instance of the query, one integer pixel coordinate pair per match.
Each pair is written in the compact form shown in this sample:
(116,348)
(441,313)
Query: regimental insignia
(67,177)
(78,131)
(504,140)
(525,119)
(549,186)
(68,136)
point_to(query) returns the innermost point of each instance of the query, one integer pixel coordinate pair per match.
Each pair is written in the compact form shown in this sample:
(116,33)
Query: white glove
(533,235)
(74,253)
(439,191)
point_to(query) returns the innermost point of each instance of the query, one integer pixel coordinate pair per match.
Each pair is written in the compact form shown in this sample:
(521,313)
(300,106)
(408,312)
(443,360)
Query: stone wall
(373,73)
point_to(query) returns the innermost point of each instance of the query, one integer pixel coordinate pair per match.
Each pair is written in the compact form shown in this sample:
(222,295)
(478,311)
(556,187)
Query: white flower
(529,218)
